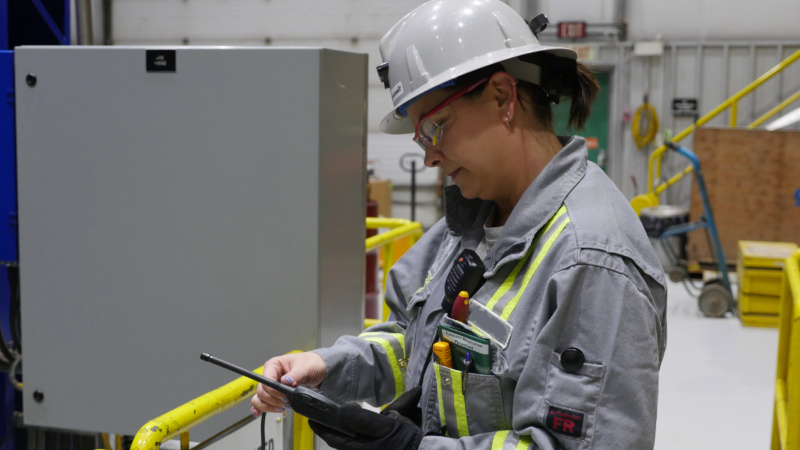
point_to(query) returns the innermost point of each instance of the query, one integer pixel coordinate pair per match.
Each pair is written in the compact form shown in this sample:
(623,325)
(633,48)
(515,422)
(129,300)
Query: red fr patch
(565,421)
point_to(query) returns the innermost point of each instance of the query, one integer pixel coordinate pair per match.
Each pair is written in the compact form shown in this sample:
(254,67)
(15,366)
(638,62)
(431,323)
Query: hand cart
(716,296)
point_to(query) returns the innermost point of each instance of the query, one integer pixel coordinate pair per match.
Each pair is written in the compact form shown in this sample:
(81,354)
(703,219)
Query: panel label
(161,60)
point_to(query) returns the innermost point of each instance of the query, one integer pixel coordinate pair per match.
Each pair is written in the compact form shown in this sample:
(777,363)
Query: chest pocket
(469,403)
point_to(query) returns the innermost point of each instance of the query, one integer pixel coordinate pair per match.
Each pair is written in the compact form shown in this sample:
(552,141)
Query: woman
(572,298)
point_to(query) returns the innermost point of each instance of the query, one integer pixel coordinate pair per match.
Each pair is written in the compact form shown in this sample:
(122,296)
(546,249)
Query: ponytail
(583,92)
(561,77)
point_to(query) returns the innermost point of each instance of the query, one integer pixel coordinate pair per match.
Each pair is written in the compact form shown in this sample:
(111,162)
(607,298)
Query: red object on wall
(571,30)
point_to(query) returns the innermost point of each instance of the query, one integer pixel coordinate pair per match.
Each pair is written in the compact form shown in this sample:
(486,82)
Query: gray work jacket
(574,304)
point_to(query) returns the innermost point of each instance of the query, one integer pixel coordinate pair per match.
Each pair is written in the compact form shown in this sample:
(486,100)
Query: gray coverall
(571,271)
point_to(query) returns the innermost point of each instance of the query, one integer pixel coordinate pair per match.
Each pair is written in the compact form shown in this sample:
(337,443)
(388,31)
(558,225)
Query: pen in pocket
(465,372)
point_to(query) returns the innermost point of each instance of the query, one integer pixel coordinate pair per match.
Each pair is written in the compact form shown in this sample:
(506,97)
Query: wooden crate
(752,178)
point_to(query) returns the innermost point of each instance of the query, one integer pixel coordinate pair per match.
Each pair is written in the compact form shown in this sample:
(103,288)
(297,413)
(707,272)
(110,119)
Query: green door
(596,128)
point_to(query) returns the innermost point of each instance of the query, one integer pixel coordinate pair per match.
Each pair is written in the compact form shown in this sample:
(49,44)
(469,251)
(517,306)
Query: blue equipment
(716,297)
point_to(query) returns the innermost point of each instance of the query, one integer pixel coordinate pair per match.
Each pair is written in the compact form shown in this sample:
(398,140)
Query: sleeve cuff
(336,364)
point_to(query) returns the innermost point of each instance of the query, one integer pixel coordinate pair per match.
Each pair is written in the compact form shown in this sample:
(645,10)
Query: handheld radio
(465,275)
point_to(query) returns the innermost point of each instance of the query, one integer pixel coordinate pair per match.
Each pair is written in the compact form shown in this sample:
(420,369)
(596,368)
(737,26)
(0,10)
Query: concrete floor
(717,380)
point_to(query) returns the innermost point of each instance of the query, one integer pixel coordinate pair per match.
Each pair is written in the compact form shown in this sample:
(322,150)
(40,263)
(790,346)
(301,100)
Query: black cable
(12,373)
(263,432)
(686,285)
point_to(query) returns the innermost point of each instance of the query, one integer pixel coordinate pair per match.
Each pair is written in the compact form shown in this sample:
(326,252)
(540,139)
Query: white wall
(731,28)
(686,20)
(714,19)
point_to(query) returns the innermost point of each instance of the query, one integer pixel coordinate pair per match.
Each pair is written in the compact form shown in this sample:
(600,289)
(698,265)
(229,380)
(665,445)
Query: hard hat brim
(395,123)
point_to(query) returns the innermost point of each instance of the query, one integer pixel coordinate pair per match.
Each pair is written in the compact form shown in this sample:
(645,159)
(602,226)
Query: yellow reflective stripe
(478,331)
(399,383)
(509,281)
(550,223)
(459,404)
(400,337)
(524,442)
(439,394)
(499,438)
(532,269)
(427,280)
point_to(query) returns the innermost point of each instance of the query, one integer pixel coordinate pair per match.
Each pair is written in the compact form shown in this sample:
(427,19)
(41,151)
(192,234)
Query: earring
(508,119)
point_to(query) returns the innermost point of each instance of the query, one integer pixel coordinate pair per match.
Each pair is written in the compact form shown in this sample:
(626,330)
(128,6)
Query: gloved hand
(406,406)
(374,431)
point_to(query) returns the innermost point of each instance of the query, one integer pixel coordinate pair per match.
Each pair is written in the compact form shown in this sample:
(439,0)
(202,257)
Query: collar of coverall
(538,204)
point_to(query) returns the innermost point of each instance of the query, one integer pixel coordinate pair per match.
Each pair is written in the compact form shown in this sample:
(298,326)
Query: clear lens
(430,134)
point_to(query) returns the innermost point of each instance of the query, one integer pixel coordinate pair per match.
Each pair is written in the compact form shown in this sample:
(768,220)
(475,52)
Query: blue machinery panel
(8,177)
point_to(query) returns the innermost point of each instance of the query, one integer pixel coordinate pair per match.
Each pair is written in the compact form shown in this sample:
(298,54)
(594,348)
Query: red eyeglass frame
(419,139)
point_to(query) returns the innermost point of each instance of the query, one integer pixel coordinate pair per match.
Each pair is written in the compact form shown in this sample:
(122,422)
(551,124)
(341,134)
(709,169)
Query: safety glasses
(429,133)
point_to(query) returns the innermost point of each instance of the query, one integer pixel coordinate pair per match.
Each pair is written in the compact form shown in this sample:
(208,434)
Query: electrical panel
(178,201)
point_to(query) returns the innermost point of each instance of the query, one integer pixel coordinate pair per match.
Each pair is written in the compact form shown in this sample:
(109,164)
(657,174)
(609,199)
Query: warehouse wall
(712,48)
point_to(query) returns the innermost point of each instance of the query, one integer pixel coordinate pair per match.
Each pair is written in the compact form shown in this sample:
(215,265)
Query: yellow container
(766,255)
(759,281)
(760,269)
(759,320)
(759,304)
(760,266)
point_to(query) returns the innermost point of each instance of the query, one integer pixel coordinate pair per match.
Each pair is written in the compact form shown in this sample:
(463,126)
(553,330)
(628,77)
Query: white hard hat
(444,39)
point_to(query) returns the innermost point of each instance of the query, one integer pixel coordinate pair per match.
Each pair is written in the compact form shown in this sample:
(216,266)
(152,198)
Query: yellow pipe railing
(399,228)
(775,110)
(786,415)
(181,419)
(732,103)
(178,421)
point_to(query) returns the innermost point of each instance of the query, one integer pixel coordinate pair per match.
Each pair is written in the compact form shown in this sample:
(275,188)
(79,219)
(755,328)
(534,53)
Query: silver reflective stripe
(452,407)
(492,319)
(394,346)
(526,267)
(534,265)
(498,440)
(504,440)
(524,442)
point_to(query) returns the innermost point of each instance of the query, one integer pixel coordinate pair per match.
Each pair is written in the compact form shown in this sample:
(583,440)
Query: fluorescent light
(784,121)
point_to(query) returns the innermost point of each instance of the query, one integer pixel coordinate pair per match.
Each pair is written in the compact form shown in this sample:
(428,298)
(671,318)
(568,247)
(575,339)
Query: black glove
(374,431)
(407,406)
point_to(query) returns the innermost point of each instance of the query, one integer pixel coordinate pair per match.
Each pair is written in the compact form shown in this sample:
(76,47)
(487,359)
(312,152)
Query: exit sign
(571,30)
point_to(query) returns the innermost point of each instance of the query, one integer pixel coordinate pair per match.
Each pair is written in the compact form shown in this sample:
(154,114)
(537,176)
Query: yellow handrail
(775,110)
(732,103)
(399,228)
(786,415)
(181,419)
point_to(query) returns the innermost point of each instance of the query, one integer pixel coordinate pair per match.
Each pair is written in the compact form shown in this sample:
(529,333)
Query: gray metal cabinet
(215,207)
